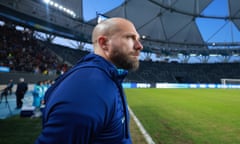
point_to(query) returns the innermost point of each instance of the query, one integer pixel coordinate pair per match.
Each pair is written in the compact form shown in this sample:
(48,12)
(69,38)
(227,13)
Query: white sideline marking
(142,130)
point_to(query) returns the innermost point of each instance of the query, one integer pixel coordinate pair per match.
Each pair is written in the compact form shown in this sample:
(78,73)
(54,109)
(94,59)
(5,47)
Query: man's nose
(138,45)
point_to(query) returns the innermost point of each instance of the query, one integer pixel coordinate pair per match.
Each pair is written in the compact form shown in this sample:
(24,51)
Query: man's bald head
(108,27)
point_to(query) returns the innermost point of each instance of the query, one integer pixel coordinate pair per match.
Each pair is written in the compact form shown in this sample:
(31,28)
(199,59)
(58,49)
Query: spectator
(22,88)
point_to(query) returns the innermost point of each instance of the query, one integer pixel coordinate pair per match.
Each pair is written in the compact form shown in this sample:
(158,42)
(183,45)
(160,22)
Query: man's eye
(131,37)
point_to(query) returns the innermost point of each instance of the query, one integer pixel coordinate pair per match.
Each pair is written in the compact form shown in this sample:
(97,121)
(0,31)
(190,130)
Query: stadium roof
(172,23)
(163,24)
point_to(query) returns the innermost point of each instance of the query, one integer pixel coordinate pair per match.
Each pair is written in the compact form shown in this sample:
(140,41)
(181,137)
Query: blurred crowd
(22,52)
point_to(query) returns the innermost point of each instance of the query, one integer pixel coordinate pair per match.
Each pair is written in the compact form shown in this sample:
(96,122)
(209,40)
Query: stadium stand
(66,53)
(23,53)
(153,72)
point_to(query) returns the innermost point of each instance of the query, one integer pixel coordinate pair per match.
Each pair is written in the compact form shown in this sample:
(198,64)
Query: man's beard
(124,60)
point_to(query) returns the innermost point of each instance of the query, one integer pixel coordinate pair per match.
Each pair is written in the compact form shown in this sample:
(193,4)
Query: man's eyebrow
(135,35)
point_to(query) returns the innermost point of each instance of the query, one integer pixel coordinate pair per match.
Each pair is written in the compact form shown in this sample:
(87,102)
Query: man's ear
(103,42)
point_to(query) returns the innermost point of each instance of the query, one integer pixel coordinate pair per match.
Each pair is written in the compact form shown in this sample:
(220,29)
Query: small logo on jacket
(123,120)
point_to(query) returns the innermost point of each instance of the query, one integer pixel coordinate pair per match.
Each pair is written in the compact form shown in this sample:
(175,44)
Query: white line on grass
(142,130)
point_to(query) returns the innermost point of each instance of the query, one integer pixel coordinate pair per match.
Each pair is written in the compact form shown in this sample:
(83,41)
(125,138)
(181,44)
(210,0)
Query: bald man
(87,104)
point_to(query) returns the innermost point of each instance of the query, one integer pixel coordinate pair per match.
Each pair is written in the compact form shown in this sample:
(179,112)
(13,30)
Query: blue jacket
(87,105)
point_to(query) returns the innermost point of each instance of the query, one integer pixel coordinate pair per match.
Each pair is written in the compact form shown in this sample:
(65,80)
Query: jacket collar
(98,61)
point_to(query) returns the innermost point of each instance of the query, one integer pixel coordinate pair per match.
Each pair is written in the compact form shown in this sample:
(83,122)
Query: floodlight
(46,1)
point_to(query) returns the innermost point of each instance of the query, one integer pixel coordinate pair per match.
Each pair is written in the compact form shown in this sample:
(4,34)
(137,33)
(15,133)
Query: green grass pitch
(170,116)
(188,116)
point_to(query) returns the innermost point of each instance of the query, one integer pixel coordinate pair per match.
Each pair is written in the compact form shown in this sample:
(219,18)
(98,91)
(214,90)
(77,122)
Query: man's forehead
(124,28)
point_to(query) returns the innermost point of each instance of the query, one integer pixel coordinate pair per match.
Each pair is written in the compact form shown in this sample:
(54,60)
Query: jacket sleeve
(65,126)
